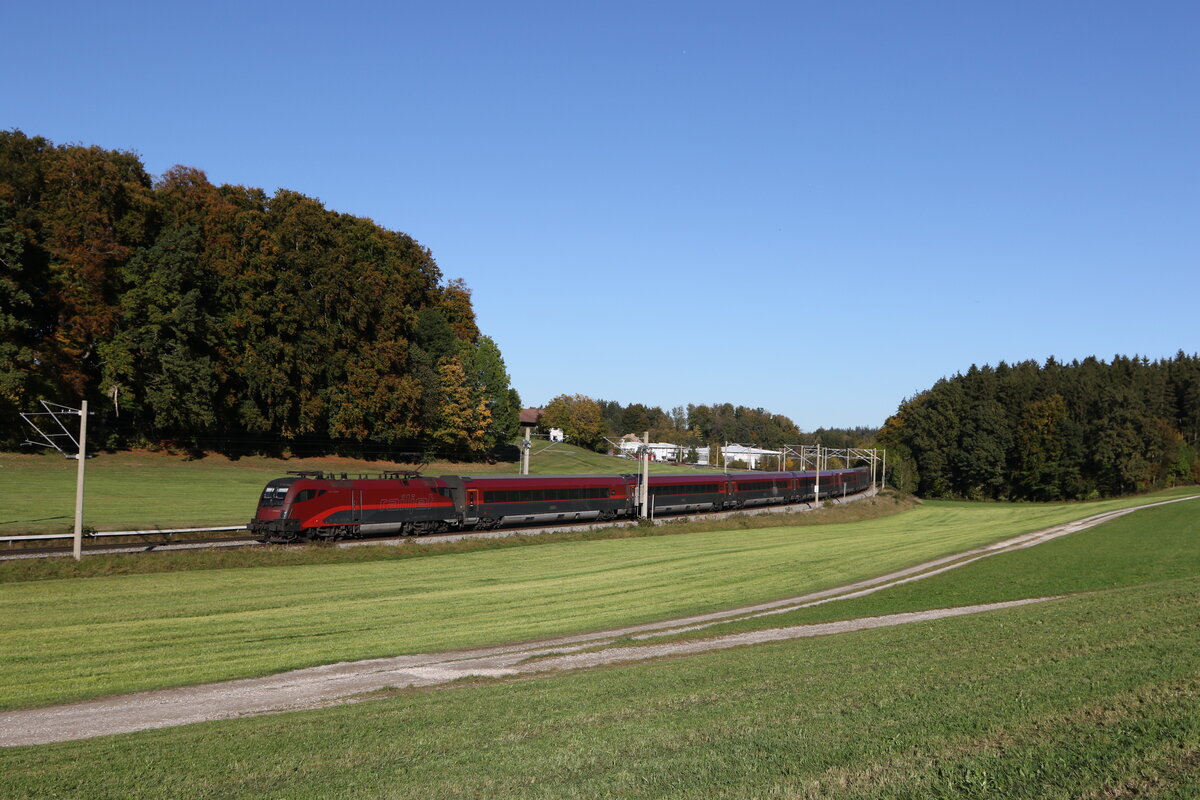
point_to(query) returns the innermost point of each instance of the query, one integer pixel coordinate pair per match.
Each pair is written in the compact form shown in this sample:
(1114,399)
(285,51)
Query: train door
(472,502)
(356,505)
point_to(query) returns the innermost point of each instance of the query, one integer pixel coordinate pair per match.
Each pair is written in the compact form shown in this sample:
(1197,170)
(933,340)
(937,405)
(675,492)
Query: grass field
(1095,695)
(126,491)
(1153,545)
(70,639)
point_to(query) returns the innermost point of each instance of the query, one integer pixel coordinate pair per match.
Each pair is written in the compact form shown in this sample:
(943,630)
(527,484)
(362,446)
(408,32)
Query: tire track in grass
(316,687)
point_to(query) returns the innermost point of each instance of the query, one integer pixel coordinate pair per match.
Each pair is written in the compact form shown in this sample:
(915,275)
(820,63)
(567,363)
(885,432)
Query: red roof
(530,416)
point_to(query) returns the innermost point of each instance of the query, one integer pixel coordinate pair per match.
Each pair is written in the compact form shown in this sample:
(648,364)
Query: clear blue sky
(816,208)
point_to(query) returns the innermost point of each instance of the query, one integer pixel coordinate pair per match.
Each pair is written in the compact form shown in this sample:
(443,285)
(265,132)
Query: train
(320,505)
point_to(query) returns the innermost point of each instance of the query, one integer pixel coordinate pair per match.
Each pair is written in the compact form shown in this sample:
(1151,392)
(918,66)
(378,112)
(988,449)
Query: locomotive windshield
(276,490)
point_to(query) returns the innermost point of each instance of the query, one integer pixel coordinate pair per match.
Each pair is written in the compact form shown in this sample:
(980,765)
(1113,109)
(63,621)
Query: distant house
(750,456)
(753,457)
(531,418)
(659,451)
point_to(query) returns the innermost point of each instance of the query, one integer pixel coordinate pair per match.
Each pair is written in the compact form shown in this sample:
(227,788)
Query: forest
(1050,431)
(223,318)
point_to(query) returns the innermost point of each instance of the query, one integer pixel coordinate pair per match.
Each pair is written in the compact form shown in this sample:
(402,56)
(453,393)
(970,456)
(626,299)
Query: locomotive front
(271,520)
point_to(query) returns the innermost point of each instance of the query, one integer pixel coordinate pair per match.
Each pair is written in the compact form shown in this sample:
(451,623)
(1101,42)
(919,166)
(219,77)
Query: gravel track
(317,687)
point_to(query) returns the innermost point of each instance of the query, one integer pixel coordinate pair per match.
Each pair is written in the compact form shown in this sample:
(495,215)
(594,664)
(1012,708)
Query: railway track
(117,548)
(15,553)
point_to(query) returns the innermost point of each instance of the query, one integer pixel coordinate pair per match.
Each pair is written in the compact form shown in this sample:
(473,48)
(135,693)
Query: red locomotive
(318,505)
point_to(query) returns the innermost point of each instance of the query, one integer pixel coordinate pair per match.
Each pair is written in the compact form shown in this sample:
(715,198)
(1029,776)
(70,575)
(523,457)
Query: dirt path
(316,687)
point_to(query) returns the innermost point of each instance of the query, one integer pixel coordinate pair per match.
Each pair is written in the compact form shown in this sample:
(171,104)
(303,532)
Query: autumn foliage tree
(224,317)
(579,417)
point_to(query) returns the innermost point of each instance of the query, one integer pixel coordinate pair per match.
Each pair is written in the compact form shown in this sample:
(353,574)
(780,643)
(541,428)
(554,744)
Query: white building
(659,451)
(753,457)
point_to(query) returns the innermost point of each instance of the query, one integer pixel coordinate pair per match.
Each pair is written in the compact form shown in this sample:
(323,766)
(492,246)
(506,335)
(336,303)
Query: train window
(273,496)
(539,495)
(687,488)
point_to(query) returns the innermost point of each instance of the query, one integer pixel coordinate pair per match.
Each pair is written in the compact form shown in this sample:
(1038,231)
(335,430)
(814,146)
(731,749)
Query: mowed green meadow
(142,490)
(1095,694)
(69,639)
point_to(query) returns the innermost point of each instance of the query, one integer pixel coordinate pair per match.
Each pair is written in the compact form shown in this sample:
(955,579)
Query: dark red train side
(493,501)
(326,506)
(673,494)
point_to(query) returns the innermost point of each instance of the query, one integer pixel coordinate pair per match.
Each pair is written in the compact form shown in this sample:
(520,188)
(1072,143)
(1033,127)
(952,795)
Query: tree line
(226,318)
(1050,431)
(592,423)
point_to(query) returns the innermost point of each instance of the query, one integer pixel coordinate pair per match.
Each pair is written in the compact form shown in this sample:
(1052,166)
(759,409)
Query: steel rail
(99,534)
